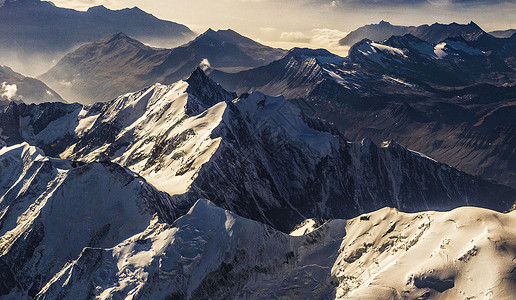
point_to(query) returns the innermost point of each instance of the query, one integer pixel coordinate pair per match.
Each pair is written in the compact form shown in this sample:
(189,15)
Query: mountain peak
(204,208)
(119,35)
(121,39)
(207,91)
(97,8)
(209,32)
(198,76)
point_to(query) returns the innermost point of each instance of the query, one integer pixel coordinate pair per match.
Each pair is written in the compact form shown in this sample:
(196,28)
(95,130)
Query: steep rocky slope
(407,90)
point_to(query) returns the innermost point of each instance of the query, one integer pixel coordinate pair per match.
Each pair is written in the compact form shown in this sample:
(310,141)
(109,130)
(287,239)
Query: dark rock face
(206,91)
(258,171)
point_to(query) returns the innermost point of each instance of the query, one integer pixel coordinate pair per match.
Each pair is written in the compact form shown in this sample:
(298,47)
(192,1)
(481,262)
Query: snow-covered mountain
(104,69)
(430,33)
(256,155)
(51,209)
(452,62)
(14,86)
(213,253)
(391,91)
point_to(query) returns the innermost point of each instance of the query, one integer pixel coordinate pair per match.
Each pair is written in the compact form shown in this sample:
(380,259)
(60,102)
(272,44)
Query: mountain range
(98,230)
(130,65)
(226,169)
(34,33)
(259,156)
(440,99)
(503,33)
(86,225)
(402,89)
(429,33)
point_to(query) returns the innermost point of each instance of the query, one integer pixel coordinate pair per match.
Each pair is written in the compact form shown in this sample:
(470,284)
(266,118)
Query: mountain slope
(257,155)
(14,86)
(214,253)
(430,33)
(296,75)
(51,209)
(102,70)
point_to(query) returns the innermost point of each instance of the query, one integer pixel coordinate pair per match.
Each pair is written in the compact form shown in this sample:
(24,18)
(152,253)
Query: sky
(313,23)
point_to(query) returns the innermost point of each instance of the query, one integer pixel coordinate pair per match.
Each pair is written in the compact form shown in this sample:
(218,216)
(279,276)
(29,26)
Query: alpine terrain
(216,166)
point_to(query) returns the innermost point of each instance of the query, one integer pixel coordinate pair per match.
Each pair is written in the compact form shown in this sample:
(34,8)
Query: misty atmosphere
(257,149)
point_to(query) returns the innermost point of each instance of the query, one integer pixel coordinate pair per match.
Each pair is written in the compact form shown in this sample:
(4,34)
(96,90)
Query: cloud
(205,64)
(268,29)
(295,36)
(8,90)
(326,37)
(319,37)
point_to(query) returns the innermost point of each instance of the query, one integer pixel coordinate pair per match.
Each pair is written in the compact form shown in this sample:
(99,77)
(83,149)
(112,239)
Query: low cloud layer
(8,90)
(315,38)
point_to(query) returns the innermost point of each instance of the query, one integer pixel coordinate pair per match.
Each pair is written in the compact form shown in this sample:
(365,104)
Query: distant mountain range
(404,88)
(130,65)
(429,33)
(16,87)
(35,33)
(503,33)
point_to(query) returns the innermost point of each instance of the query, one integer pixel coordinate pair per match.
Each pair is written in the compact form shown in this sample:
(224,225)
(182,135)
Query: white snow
(148,117)
(376,52)
(465,253)
(306,227)
(280,115)
(442,49)
(393,253)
